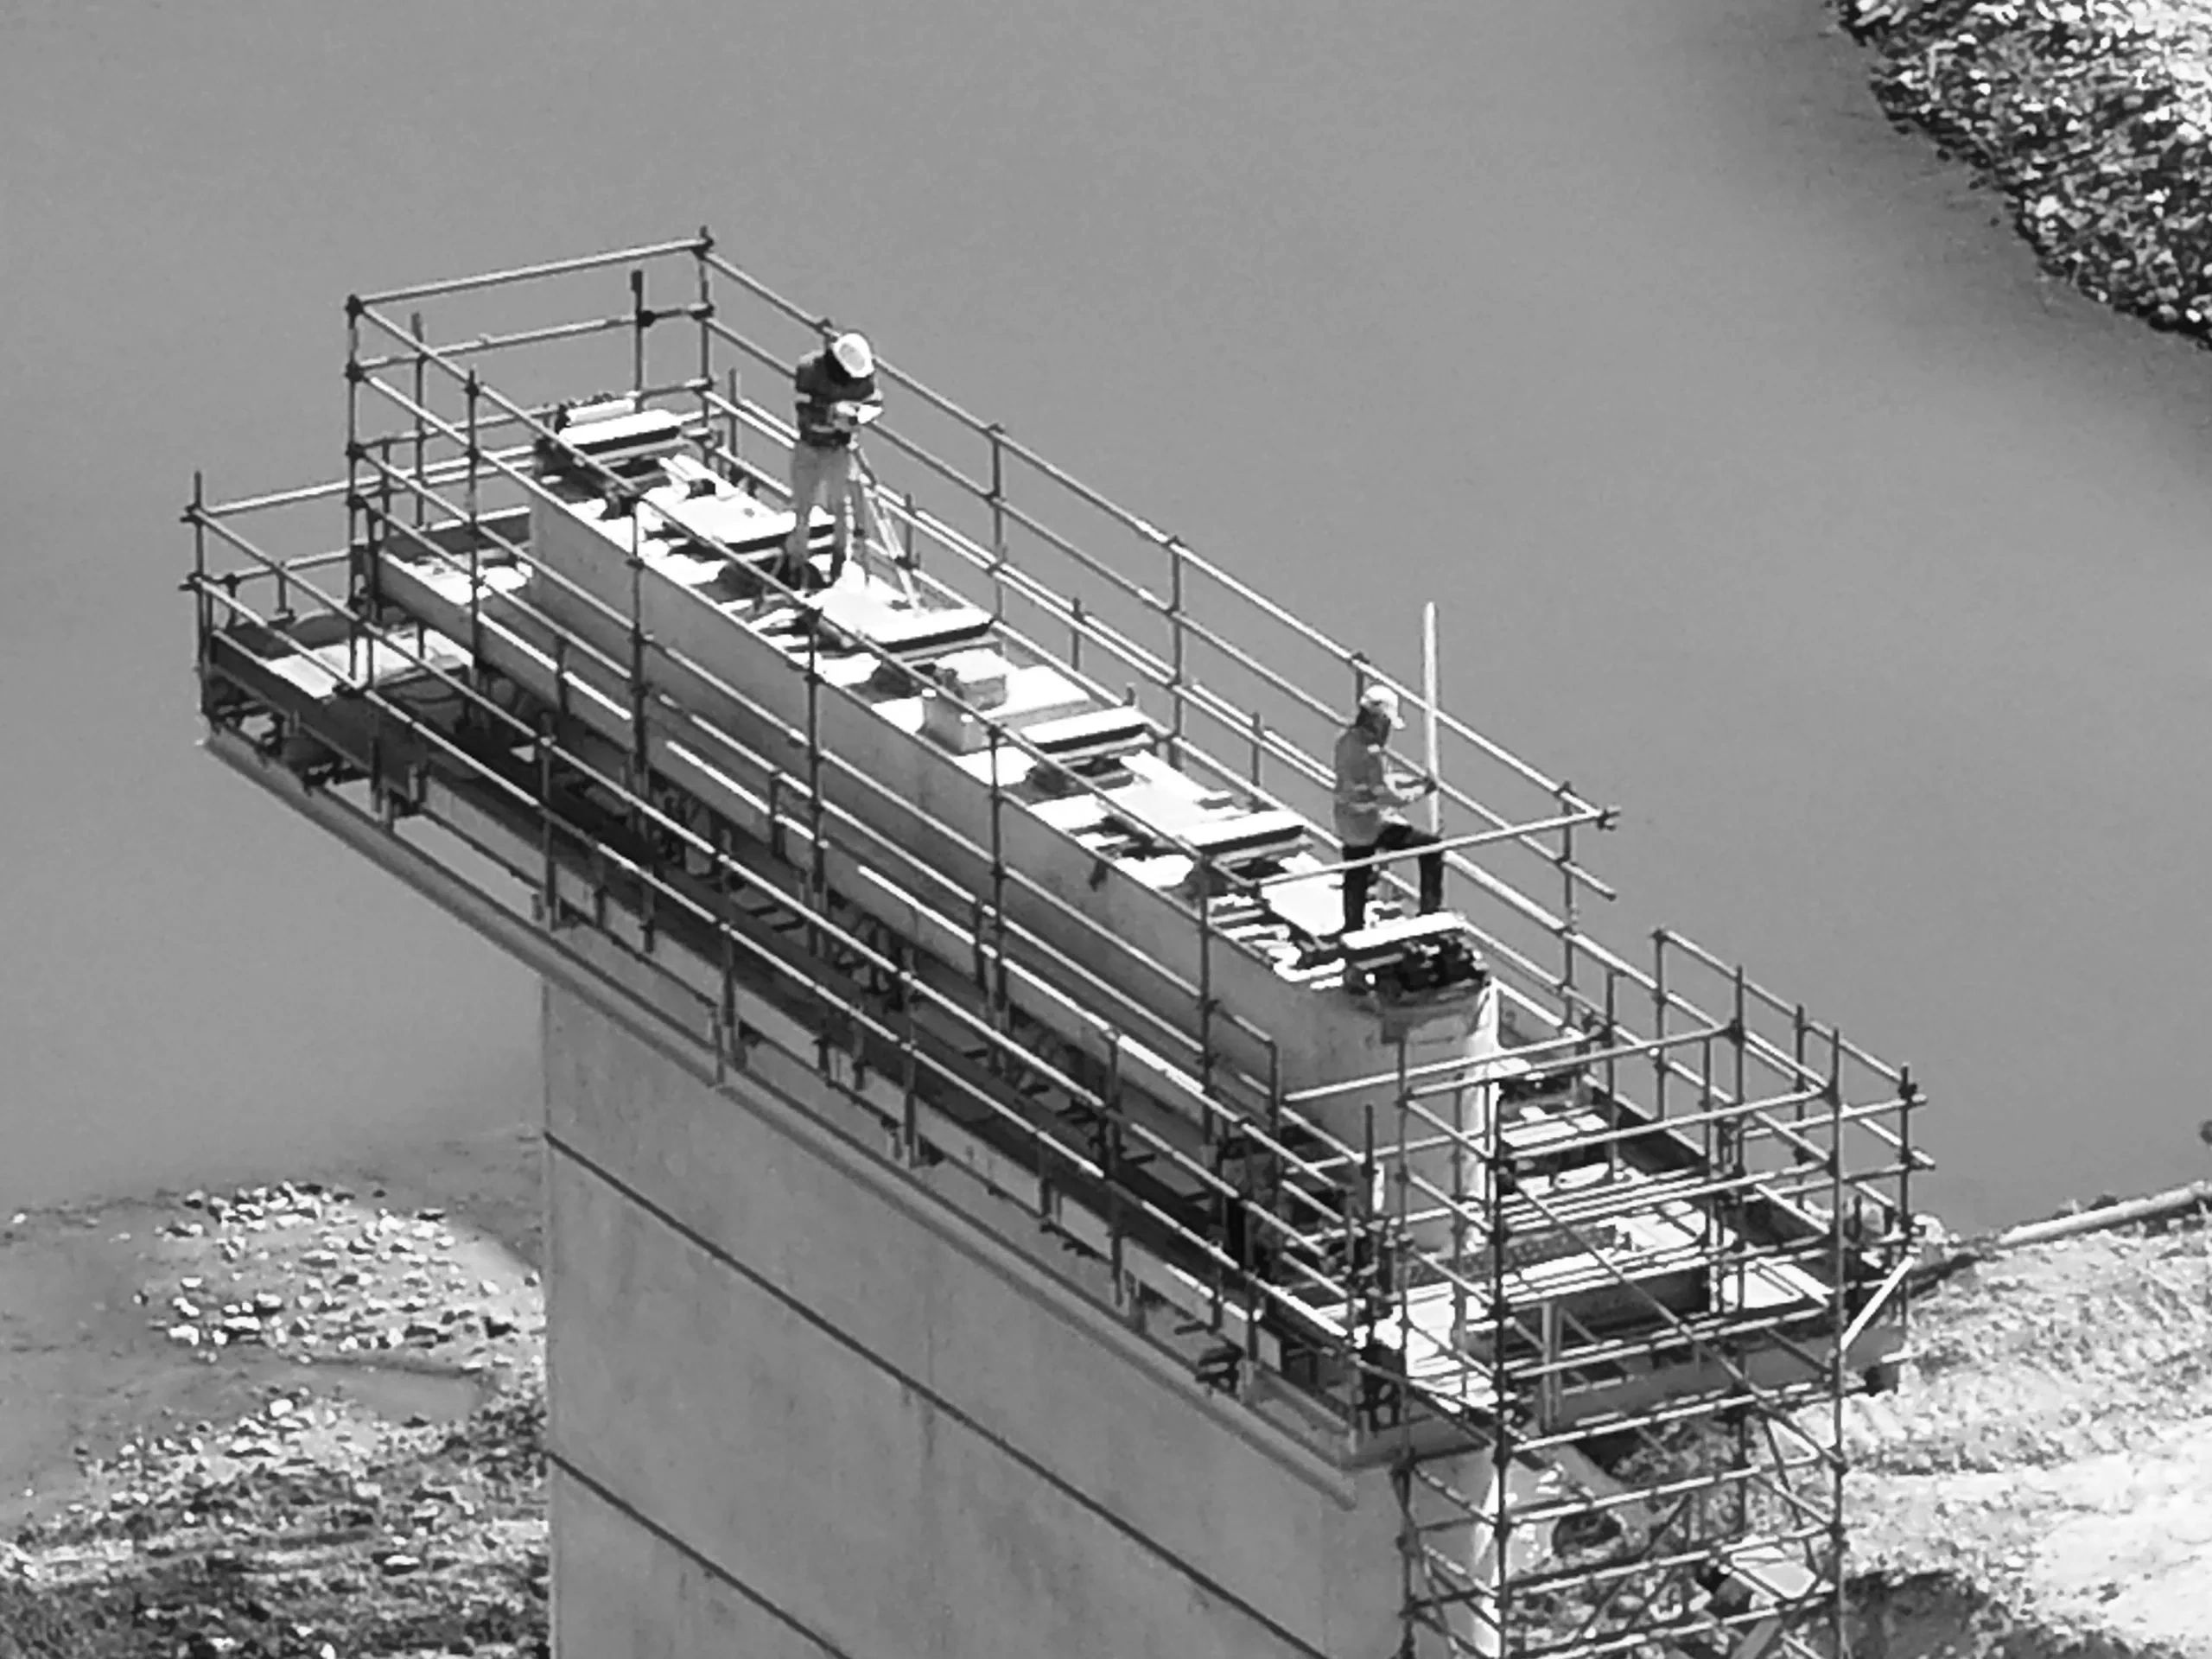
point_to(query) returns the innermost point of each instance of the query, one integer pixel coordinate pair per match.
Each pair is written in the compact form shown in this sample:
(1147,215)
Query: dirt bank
(2091,117)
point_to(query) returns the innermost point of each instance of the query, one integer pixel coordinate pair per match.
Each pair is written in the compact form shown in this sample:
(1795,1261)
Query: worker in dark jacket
(1367,799)
(836,396)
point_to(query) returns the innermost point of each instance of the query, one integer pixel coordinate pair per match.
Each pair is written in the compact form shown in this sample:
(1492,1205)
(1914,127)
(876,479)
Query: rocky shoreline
(2093,118)
(310,1422)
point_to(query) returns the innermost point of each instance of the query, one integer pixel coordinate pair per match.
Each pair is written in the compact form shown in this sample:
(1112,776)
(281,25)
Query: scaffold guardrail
(535,778)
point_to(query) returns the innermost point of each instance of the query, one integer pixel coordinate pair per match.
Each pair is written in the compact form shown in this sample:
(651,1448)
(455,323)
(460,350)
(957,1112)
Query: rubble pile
(255,1544)
(2041,1473)
(2091,116)
(326,1515)
(353,1284)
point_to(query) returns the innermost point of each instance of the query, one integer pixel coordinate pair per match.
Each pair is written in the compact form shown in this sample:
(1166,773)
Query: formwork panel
(1015,1398)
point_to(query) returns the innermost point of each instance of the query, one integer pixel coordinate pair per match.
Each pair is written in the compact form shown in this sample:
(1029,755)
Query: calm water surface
(1767,490)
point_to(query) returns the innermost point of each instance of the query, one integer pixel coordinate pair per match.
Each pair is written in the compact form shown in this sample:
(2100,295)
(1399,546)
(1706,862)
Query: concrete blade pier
(801,1407)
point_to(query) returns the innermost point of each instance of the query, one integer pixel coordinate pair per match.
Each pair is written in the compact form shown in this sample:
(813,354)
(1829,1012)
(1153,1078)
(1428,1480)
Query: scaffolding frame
(1693,1454)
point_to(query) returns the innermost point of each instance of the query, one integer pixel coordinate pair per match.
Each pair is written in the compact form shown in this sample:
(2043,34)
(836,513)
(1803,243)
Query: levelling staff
(836,396)
(1367,797)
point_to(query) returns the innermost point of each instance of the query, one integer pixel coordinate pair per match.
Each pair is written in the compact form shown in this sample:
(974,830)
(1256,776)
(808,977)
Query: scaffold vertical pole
(1908,1097)
(357,504)
(422,425)
(472,390)
(909,1134)
(726,938)
(203,607)
(1110,1164)
(1497,1179)
(641,757)
(1204,876)
(1659,1022)
(549,892)
(736,440)
(1709,1233)
(997,435)
(1738,1131)
(817,869)
(1002,1019)
(640,320)
(1612,1070)
(1800,1029)
(1177,645)
(704,276)
(1570,895)
(1839,1360)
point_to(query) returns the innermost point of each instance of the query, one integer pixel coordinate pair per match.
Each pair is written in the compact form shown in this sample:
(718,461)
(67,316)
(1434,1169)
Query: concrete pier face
(802,1405)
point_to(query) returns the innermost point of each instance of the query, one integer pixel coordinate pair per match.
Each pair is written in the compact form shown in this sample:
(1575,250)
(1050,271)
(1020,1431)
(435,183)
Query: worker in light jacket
(836,396)
(1367,798)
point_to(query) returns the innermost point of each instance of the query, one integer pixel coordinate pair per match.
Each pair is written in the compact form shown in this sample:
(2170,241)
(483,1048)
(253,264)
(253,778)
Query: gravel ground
(2043,1479)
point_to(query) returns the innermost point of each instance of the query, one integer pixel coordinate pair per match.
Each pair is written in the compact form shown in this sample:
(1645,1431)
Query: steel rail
(1162,673)
(1012,740)
(974,1026)
(527,273)
(699,724)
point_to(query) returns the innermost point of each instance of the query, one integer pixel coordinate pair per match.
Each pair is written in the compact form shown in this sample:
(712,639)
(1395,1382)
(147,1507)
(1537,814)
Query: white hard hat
(853,355)
(1381,699)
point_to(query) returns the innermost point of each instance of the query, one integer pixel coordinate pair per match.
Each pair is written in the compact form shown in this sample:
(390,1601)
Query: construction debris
(2090,116)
